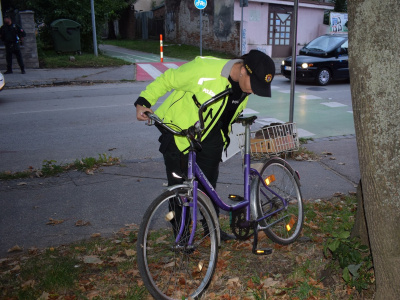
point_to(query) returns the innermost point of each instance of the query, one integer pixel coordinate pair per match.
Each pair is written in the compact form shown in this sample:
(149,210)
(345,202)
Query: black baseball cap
(261,69)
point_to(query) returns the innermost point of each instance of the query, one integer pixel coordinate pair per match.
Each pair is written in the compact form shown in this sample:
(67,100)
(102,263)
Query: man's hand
(140,113)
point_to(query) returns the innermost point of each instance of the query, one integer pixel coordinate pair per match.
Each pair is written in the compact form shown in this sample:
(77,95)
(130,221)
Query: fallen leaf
(44,296)
(82,223)
(16,248)
(332,158)
(96,235)
(130,252)
(16,268)
(54,222)
(89,172)
(22,183)
(92,259)
(269,282)
(233,282)
(27,284)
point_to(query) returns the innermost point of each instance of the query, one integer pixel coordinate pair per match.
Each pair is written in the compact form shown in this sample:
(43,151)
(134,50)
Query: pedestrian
(194,83)
(12,34)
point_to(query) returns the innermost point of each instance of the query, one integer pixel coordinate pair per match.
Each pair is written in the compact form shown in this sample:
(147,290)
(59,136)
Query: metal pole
(201,32)
(241,34)
(294,52)
(94,28)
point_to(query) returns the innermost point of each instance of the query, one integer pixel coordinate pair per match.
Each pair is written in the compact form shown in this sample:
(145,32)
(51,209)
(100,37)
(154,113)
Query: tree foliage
(79,11)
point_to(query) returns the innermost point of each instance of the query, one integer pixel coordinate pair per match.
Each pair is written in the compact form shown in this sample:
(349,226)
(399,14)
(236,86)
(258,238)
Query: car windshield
(325,43)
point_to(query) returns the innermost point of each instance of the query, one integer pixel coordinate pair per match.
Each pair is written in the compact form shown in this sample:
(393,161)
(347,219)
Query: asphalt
(108,200)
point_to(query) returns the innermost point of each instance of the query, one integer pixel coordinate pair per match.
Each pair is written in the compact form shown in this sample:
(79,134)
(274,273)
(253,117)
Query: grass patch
(52,168)
(103,268)
(51,60)
(184,52)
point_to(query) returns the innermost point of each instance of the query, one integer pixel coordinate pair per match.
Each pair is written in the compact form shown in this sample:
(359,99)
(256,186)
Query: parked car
(322,60)
(2,82)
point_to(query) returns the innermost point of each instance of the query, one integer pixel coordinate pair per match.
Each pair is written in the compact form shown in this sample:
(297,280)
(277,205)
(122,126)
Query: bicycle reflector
(289,225)
(270,179)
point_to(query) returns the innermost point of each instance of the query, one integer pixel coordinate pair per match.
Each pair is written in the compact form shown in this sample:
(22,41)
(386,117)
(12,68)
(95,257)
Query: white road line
(70,108)
(309,97)
(171,66)
(333,104)
(304,133)
(152,71)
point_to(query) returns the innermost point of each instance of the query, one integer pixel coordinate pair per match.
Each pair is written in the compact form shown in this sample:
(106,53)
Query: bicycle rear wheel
(177,271)
(285,225)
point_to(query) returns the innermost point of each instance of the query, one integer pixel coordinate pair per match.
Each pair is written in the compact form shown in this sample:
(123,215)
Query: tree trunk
(360,226)
(374,43)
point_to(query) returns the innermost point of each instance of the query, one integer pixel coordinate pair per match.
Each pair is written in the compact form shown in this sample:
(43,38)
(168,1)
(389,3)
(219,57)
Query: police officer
(11,35)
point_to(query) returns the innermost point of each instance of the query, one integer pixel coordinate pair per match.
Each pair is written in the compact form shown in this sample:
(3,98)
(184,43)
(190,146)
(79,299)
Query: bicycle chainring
(240,227)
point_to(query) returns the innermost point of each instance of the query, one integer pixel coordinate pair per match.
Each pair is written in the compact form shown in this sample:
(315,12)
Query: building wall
(220,31)
(29,47)
(145,5)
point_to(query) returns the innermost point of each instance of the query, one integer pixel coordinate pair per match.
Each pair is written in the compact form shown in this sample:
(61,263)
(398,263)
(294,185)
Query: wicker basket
(272,140)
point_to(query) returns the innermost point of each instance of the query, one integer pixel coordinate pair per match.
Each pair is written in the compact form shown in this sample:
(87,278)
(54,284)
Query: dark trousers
(10,50)
(208,159)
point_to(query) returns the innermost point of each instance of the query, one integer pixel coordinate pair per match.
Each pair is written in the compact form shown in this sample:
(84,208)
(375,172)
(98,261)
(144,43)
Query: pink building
(267,24)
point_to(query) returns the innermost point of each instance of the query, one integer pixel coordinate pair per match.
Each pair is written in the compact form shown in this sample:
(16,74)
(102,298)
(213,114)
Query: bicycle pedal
(262,251)
(235,197)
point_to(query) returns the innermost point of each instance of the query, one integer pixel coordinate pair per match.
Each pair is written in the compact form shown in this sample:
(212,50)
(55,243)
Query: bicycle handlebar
(198,126)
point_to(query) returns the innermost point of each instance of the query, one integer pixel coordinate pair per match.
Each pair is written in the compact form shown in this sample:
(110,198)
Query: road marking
(333,104)
(151,70)
(70,108)
(303,133)
(309,97)
(171,66)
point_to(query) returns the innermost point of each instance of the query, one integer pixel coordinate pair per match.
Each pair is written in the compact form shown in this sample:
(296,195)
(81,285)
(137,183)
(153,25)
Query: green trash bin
(66,35)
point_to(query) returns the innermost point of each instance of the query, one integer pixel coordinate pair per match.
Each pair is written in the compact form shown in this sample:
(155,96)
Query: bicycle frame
(196,176)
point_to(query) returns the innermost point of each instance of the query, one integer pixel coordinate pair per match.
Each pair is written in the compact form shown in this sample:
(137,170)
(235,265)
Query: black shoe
(226,237)
(8,72)
(23,71)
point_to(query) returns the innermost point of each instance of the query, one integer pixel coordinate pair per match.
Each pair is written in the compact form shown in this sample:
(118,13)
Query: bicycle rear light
(270,179)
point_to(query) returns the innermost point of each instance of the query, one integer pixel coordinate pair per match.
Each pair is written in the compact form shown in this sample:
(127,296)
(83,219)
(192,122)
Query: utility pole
(94,28)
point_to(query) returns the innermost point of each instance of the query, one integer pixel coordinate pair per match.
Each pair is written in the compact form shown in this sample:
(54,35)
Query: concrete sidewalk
(119,195)
(67,76)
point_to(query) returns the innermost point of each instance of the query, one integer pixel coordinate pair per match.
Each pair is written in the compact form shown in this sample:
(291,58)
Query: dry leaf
(130,252)
(96,235)
(82,223)
(233,282)
(22,183)
(29,283)
(92,259)
(44,296)
(54,222)
(16,248)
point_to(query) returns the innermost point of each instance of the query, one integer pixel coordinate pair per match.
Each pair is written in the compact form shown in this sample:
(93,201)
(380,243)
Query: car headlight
(283,62)
(306,65)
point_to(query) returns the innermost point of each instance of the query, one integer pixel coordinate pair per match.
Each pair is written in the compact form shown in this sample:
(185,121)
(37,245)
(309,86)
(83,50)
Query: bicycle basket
(271,140)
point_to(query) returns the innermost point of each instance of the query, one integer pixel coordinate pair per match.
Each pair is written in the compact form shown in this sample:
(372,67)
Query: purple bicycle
(179,237)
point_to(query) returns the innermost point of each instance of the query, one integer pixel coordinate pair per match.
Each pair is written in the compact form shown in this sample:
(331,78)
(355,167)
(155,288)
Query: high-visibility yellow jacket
(193,84)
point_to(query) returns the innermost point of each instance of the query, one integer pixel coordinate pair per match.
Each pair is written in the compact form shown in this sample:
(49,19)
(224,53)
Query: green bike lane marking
(313,118)
(134,56)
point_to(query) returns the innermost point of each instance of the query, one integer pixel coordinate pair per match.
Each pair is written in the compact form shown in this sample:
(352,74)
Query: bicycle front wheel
(173,270)
(284,204)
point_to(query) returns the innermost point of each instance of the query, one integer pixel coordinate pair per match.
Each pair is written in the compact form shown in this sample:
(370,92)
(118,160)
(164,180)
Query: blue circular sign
(200,4)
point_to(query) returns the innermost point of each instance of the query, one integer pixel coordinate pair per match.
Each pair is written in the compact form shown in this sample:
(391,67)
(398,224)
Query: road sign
(200,4)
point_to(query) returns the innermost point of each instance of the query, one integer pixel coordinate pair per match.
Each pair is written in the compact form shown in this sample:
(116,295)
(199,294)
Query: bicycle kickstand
(260,251)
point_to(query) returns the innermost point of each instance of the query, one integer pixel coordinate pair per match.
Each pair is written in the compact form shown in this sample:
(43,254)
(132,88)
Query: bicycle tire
(171,272)
(285,182)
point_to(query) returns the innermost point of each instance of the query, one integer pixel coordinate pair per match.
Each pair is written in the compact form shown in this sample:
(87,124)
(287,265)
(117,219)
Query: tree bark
(360,226)
(374,43)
